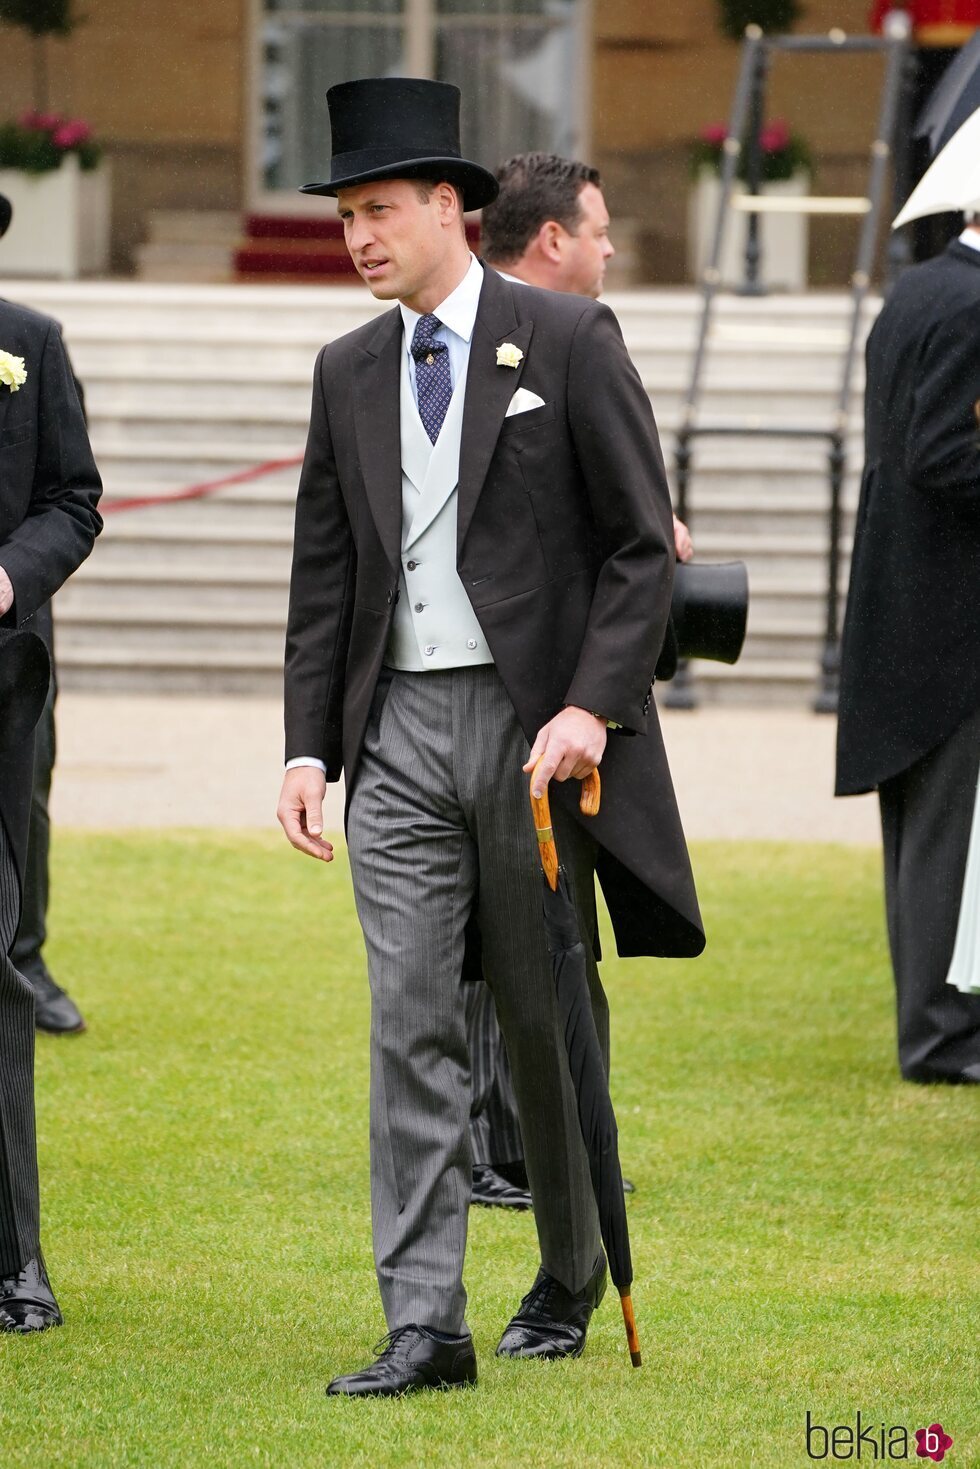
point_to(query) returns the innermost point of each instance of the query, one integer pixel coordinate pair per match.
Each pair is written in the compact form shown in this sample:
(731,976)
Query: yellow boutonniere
(508,355)
(12,371)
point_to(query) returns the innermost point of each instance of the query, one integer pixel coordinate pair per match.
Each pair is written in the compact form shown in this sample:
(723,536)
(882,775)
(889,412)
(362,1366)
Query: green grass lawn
(805,1229)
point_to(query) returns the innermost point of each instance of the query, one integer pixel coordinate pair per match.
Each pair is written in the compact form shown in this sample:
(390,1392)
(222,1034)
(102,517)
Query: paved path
(132,761)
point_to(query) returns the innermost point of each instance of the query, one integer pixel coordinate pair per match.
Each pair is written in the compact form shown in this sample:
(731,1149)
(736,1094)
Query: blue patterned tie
(433,379)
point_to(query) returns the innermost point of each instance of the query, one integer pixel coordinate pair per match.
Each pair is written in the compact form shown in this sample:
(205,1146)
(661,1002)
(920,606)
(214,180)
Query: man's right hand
(6,593)
(301,811)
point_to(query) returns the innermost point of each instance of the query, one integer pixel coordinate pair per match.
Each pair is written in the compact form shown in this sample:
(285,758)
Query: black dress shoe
(629,1187)
(54,1011)
(928,1076)
(493,1191)
(552,1321)
(27,1301)
(411,1359)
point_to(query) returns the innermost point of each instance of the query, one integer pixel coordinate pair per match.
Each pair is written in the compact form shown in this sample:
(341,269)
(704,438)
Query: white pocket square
(522,401)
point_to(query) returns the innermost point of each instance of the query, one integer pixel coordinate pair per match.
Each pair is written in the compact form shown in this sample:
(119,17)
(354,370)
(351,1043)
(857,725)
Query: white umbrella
(952,180)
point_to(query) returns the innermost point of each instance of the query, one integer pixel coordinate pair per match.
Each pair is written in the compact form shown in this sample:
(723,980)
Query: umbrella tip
(636,1359)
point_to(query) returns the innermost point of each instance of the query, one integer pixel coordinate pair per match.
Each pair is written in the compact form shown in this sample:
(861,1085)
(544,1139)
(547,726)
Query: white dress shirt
(971,237)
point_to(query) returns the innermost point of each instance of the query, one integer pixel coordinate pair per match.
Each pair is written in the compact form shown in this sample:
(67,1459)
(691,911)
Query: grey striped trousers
(19,1205)
(439,826)
(495,1128)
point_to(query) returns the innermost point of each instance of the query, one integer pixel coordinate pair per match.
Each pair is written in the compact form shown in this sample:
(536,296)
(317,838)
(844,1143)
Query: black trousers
(926,816)
(19,1202)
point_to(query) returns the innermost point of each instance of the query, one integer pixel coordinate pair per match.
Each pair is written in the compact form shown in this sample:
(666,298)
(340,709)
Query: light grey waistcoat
(434,624)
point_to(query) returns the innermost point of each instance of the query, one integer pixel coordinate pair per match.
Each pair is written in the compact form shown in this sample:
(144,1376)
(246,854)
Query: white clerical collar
(970,237)
(458,312)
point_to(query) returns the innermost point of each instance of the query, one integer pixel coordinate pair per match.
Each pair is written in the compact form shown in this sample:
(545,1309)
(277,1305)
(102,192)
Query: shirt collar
(458,312)
(970,237)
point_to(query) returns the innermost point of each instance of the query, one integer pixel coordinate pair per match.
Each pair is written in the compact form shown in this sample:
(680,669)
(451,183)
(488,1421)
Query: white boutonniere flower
(12,371)
(508,355)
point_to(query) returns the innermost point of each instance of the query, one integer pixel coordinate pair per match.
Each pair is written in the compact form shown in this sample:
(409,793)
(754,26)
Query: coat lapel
(376,426)
(489,389)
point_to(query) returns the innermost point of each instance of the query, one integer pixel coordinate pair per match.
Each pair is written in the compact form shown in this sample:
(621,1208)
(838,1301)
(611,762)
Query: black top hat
(6,214)
(25,671)
(400,127)
(709,610)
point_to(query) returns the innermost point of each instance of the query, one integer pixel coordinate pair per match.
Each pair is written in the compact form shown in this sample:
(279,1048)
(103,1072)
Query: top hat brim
(478,185)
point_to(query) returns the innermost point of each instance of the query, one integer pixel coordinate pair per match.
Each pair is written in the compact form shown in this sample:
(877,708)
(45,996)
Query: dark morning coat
(910,671)
(565,548)
(49,490)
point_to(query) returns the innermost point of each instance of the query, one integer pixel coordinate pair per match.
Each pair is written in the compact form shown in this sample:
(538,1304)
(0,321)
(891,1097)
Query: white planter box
(61,221)
(784,237)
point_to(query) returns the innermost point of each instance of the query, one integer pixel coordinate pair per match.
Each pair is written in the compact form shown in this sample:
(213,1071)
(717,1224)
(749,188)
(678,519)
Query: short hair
(534,187)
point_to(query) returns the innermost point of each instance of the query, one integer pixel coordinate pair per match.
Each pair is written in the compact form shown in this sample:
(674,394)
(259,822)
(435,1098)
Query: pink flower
(932,1443)
(714,134)
(71,134)
(774,137)
(42,122)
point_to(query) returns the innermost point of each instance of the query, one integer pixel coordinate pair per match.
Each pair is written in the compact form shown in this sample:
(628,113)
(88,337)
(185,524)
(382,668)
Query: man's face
(584,254)
(397,241)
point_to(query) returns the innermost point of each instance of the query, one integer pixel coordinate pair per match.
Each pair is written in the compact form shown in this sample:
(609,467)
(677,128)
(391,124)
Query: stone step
(786,682)
(158,586)
(110,669)
(195,354)
(125,544)
(245,630)
(174,365)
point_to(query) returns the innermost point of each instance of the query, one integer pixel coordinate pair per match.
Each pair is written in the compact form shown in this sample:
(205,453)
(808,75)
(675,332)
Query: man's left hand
(6,593)
(571,744)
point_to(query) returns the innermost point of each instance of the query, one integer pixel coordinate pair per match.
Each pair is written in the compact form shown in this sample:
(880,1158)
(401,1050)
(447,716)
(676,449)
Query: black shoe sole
(406,1392)
(517,1205)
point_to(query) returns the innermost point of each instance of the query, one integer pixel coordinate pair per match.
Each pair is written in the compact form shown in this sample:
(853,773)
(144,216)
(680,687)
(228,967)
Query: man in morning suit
(49,490)
(54,1010)
(910,676)
(481,577)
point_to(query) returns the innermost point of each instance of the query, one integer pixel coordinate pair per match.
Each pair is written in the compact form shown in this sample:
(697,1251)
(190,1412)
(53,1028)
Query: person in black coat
(909,723)
(49,491)
(54,1010)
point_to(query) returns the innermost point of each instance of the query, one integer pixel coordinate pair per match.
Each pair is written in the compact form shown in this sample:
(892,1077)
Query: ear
(549,240)
(449,203)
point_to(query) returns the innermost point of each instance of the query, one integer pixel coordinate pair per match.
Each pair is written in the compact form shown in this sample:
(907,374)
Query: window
(517,62)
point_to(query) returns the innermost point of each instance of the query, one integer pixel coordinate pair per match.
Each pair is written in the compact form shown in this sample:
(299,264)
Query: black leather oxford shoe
(411,1359)
(27,1301)
(552,1321)
(493,1191)
(54,1011)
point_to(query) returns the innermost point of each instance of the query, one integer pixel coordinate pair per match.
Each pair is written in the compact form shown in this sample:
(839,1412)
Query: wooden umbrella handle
(541,808)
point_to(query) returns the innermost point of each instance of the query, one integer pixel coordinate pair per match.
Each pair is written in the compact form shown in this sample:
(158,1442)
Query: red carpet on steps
(301,246)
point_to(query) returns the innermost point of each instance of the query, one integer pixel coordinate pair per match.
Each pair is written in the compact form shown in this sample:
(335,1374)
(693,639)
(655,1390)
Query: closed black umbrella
(595,1111)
